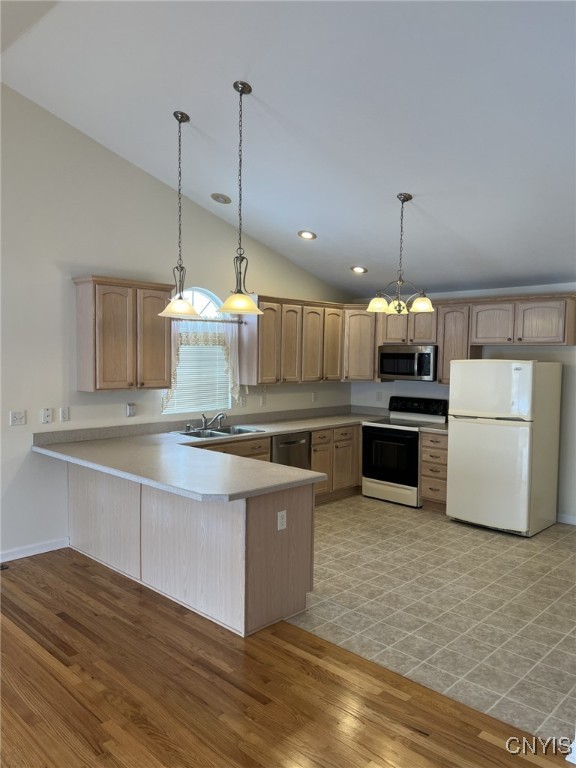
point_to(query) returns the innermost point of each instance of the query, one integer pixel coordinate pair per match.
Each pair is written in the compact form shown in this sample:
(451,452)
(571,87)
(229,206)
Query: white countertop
(166,462)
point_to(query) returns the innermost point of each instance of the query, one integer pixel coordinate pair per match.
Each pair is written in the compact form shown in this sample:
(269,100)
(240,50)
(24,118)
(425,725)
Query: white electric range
(390,448)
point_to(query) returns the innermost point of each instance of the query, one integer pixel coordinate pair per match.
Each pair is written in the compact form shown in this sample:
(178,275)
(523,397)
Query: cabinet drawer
(343,433)
(433,489)
(430,470)
(322,436)
(433,456)
(250,447)
(433,440)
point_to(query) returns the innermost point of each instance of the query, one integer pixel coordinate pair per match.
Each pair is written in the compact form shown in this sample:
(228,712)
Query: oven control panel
(423,406)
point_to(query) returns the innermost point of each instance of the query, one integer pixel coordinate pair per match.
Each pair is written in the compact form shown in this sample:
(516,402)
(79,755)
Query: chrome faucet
(218,419)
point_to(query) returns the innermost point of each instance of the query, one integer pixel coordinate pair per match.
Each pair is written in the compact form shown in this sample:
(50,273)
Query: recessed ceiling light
(359,270)
(218,197)
(305,234)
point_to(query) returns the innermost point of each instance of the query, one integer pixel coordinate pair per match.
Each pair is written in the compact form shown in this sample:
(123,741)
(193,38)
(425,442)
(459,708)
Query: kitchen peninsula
(200,527)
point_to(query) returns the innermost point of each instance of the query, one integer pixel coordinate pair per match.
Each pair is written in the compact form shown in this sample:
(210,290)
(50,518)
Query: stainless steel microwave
(408,361)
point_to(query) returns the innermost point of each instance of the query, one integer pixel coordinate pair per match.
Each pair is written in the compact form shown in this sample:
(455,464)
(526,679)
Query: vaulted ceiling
(469,106)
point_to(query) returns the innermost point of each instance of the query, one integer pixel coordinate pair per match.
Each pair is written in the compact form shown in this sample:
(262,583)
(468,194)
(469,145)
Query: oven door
(390,455)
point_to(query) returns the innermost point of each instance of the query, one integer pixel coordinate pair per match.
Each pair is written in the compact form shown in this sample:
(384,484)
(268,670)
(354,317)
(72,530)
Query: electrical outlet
(314,396)
(243,401)
(130,409)
(282,520)
(64,413)
(379,396)
(262,401)
(17,418)
(46,416)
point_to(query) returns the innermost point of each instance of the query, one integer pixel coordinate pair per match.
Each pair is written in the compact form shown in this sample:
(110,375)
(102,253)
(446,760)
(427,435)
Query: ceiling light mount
(179,308)
(383,301)
(239,302)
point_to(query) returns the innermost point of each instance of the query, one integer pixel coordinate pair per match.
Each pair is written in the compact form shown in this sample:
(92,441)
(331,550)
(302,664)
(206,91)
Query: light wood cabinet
(433,469)
(312,343)
(537,321)
(359,335)
(332,352)
(336,452)
(452,337)
(322,459)
(291,344)
(492,323)
(257,448)
(259,340)
(413,328)
(121,341)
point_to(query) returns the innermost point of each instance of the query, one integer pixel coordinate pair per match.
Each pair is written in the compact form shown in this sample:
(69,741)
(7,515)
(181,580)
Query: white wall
(71,207)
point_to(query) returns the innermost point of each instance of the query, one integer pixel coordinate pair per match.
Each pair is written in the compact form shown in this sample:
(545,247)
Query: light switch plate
(17,418)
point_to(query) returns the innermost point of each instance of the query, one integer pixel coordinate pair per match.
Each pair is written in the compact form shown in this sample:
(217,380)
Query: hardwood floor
(100,671)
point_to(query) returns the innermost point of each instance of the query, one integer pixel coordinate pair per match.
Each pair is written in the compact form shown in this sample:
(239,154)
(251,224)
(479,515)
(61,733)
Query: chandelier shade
(179,308)
(240,302)
(389,300)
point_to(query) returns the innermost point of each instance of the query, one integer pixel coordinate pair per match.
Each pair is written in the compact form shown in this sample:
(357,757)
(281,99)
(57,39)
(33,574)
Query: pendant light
(239,302)
(180,308)
(383,301)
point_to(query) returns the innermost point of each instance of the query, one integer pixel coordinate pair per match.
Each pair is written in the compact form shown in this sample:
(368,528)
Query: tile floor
(484,617)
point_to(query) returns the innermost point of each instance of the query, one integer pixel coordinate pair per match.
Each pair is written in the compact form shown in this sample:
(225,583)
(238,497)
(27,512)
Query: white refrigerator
(503,437)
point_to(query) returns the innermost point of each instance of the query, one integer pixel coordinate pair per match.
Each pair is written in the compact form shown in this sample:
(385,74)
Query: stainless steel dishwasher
(292,448)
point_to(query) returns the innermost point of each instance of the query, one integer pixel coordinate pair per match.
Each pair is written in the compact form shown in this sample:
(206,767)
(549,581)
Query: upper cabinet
(291,344)
(413,328)
(312,343)
(359,336)
(534,321)
(333,344)
(121,341)
(453,322)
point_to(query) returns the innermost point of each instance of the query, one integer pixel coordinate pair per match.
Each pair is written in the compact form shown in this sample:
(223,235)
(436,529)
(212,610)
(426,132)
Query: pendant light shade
(239,302)
(395,305)
(179,308)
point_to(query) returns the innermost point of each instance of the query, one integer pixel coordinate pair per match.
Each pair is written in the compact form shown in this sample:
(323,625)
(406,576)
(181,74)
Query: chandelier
(389,299)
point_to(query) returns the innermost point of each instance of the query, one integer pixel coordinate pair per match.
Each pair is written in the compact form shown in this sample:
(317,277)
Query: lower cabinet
(433,469)
(252,449)
(336,452)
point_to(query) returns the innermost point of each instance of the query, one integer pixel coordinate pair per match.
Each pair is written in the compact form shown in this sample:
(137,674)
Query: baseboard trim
(568,519)
(33,549)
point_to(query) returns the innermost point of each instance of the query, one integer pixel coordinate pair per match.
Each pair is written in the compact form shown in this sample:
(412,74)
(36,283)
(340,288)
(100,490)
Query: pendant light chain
(179,262)
(400,270)
(240,250)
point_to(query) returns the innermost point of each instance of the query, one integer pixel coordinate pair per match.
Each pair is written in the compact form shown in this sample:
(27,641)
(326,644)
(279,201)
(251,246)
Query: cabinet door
(539,322)
(153,340)
(115,351)
(321,461)
(358,345)
(344,471)
(422,327)
(452,338)
(332,358)
(291,343)
(269,337)
(395,329)
(492,323)
(312,343)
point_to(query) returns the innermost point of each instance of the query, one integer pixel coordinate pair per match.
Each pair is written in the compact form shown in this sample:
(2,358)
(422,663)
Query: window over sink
(204,359)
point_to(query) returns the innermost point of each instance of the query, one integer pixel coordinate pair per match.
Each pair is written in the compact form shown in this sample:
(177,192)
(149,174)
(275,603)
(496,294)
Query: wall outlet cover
(17,418)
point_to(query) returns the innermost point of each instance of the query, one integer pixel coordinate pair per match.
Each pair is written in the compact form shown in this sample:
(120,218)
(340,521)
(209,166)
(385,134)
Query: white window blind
(202,380)
(205,359)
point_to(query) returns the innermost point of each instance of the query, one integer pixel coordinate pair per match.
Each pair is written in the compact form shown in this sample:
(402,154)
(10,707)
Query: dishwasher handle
(293,442)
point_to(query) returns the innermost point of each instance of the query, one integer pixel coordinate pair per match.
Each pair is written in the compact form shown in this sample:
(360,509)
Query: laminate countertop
(166,461)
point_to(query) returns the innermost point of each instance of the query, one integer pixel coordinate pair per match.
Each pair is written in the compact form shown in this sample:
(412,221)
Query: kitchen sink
(222,432)
(235,430)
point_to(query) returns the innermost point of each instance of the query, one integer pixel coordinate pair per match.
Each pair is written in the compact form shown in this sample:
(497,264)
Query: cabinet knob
(519,338)
(403,339)
(130,383)
(411,339)
(508,339)
(434,471)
